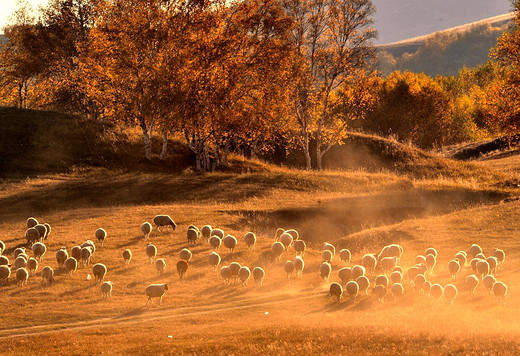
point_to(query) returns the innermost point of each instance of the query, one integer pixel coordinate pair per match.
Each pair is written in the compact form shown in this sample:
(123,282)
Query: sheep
(89,243)
(488,281)
(99,271)
(31,222)
(32,265)
(22,275)
(431,251)
(48,226)
(499,290)
(5,273)
(418,283)
(19,250)
(192,236)
(450,292)
(336,291)
(482,268)
(288,267)
(363,283)
(42,230)
(185,255)
(500,255)
(101,235)
(388,263)
(32,235)
(278,233)
(326,255)
(436,291)
(474,250)
(415,270)
(369,261)
(462,258)
(345,256)
(206,232)
(127,256)
(427,286)
(431,261)
(215,242)
(299,246)
(380,292)
(330,247)
(218,232)
(345,274)
(396,277)
(420,259)
(2,247)
(295,235)
(258,275)
(214,260)
(397,290)
(155,291)
(151,252)
(471,283)
(250,240)
(182,267)
(225,274)
(230,242)
(381,279)
(106,289)
(398,269)
(286,239)
(352,289)
(19,262)
(71,264)
(481,256)
(357,271)
(76,252)
(454,268)
(473,264)
(277,248)
(243,274)
(299,265)
(4,261)
(86,255)
(61,256)
(395,250)
(160,265)
(493,264)
(325,269)
(146,229)
(47,275)
(164,220)
(234,267)
(39,250)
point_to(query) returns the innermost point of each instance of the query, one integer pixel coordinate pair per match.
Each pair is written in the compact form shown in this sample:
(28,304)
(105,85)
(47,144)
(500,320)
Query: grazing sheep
(363,283)
(382,279)
(325,269)
(47,275)
(214,260)
(380,292)
(431,251)
(164,220)
(500,255)
(76,252)
(326,255)
(277,248)
(160,265)
(218,232)
(488,281)
(418,283)
(474,250)
(146,229)
(22,275)
(258,275)
(471,283)
(19,262)
(32,235)
(19,250)
(71,265)
(86,255)
(357,271)
(243,274)
(369,261)
(499,290)
(106,289)
(101,235)
(48,226)
(345,274)
(388,263)
(89,243)
(352,289)
(450,292)
(396,277)
(225,274)
(192,235)
(427,286)
(215,242)
(493,264)
(42,230)
(299,265)
(99,271)
(336,291)
(454,268)
(288,267)
(431,261)
(299,246)
(234,267)
(420,259)
(185,255)
(345,256)
(127,256)
(250,240)
(330,247)
(5,273)
(436,291)
(398,269)
(295,235)
(462,258)
(31,222)
(482,268)
(39,250)
(182,267)
(61,256)
(32,265)
(155,291)
(206,232)
(151,252)
(4,260)
(397,290)
(230,242)
(286,239)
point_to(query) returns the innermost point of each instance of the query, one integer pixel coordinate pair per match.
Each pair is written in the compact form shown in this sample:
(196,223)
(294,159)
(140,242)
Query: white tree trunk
(164,145)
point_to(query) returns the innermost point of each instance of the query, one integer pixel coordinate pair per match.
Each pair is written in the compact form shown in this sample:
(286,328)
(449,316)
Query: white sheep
(454,268)
(19,250)
(31,222)
(89,243)
(336,291)
(192,235)
(450,292)
(431,261)
(4,260)
(363,283)
(369,261)
(206,232)
(381,279)
(127,256)
(106,289)
(481,256)
(325,269)
(32,235)
(294,234)
(330,247)
(326,255)
(146,229)
(345,274)
(101,235)
(277,248)
(2,247)
(164,220)
(155,291)
(151,252)
(258,275)
(357,271)
(39,250)
(86,255)
(345,256)
(482,268)
(500,255)
(61,256)
(420,259)
(418,283)
(182,268)
(499,290)
(488,281)
(398,269)
(250,240)
(218,232)
(286,239)
(243,274)
(215,242)
(472,283)
(352,289)
(234,267)
(22,275)
(380,292)
(397,290)
(288,267)
(160,265)
(299,246)
(5,273)
(47,275)
(396,277)
(75,252)
(214,260)
(427,287)
(474,250)
(230,242)
(71,264)
(299,265)
(473,264)
(48,231)
(462,258)
(431,251)
(278,233)
(99,271)
(225,274)
(436,291)
(42,230)
(185,255)
(388,263)
(32,265)
(19,262)
(493,264)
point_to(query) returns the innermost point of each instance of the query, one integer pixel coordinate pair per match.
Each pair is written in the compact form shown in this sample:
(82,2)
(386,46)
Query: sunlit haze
(8,6)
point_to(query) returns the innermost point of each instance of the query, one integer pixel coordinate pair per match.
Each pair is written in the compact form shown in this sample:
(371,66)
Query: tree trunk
(147,142)
(164,145)
(319,155)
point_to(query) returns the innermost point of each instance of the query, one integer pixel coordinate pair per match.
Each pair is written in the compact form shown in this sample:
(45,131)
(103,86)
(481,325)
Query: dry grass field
(359,210)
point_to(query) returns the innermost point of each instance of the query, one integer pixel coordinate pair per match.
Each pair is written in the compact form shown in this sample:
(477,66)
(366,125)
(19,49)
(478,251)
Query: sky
(7,8)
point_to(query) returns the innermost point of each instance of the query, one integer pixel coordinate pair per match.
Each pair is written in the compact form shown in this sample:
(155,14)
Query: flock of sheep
(354,280)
